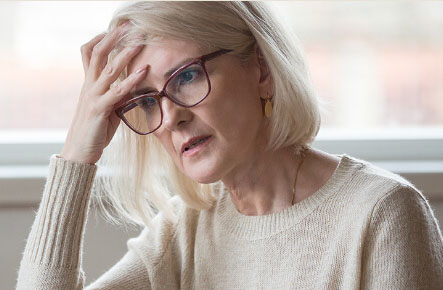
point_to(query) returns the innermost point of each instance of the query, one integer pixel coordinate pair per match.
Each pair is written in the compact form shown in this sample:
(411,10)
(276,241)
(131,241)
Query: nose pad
(174,115)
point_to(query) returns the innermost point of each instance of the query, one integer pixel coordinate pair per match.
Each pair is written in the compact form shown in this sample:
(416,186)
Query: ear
(265,79)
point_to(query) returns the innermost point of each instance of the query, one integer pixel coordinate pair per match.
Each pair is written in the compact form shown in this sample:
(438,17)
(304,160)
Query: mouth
(194,145)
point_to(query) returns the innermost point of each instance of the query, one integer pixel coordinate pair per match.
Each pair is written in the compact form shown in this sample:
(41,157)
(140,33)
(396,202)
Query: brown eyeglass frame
(157,95)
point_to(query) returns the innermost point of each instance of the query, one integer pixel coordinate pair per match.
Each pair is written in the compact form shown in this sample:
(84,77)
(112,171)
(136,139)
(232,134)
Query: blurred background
(378,66)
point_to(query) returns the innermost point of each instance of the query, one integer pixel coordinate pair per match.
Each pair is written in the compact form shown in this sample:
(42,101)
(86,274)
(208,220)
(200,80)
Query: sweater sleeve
(52,258)
(404,248)
(129,273)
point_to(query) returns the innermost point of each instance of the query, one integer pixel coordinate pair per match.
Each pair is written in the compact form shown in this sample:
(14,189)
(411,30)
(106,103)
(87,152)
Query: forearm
(52,256)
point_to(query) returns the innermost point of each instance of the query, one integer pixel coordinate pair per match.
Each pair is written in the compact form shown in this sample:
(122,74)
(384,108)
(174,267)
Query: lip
(197,148)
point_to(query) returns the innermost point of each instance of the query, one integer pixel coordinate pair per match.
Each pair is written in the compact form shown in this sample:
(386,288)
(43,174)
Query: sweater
(365,228)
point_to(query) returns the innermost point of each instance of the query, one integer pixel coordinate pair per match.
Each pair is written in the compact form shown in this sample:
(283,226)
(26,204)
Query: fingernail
(141,70)
(137,47)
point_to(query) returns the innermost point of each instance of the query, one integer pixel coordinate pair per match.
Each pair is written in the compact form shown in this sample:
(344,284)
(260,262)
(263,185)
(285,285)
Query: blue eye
(187,82)
(147,103)
(186,77)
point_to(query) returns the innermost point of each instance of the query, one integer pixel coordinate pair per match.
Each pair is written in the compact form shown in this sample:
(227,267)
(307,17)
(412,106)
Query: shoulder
(404,233)
(402,207)
(369,172)
(387,195)
(402,244)
(362,188)
(373,183)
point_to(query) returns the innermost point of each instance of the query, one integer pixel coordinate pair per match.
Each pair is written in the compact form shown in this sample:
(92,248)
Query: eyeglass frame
(158,95)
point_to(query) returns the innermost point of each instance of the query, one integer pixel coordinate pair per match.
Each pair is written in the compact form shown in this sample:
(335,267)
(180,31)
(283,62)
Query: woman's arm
(53,254)
(128,273)
(404,249)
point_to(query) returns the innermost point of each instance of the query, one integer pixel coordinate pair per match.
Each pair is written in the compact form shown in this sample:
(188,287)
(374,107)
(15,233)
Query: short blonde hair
(142,176)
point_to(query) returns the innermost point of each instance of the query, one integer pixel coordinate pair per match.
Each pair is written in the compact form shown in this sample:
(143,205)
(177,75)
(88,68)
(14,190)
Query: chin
(203,176)
(207,167)
(202,172)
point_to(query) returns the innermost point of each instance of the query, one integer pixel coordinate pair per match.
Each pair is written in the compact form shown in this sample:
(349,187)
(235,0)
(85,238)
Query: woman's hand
(95,122)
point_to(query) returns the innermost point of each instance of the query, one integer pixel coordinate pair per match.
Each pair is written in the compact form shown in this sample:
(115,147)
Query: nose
(174,116)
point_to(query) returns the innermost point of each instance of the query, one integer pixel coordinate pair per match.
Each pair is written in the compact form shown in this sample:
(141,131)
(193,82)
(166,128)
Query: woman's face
(231,115)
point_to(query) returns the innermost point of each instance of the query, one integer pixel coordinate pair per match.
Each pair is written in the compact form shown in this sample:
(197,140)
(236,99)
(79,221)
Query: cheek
(237,109)
(166,141)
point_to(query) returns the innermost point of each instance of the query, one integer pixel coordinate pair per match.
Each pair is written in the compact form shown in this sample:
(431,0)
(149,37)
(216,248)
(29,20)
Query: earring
(268,107)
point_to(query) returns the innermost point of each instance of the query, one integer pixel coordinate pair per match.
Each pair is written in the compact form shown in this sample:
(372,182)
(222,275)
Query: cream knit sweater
(365,228)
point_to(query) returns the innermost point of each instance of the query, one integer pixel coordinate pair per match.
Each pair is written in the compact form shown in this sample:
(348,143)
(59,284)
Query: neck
(263,184)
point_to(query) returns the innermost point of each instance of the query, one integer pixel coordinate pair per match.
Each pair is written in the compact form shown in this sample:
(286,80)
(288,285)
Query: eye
(186,82)
(147,103)
(187,76)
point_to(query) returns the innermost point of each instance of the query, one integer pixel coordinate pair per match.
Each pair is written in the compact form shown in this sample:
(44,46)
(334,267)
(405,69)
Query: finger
(86,50)
(113,69)
(100,52)
(118,94)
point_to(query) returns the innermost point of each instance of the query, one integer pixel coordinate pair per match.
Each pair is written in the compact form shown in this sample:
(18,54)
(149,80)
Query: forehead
(163,54)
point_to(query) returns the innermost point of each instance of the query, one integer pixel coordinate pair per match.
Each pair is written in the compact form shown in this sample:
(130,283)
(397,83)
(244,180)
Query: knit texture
(365,228)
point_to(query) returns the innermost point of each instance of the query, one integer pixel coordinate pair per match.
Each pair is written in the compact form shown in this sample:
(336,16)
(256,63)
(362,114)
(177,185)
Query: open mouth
(195,143)
(196,146)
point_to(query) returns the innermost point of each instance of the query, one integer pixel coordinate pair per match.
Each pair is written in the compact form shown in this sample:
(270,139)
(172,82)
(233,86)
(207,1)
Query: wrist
(73,159)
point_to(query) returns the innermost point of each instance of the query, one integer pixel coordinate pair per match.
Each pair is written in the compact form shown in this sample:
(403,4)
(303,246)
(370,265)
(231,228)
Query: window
(43,73)
(378,64)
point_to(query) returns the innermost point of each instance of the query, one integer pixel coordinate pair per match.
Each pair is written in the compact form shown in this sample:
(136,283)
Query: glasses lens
(144,115)
(189,86)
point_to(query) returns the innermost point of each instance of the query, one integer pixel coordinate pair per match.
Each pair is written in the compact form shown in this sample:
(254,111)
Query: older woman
(217,107)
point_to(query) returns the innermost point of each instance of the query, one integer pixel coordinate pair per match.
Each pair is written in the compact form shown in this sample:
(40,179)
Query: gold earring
(268,107)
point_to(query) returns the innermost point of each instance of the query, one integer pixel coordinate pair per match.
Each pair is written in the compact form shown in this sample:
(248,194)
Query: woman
(217,107)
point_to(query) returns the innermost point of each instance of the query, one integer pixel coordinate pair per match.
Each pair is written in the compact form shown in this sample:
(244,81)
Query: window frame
(24,158)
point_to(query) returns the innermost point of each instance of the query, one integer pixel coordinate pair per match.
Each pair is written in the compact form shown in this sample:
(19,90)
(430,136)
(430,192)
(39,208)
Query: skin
(259,181)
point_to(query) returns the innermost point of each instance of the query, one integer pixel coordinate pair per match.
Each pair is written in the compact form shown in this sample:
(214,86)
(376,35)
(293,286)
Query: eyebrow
(179,65)
(166,75)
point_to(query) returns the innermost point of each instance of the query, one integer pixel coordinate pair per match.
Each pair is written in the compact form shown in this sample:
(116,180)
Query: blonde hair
(141,175)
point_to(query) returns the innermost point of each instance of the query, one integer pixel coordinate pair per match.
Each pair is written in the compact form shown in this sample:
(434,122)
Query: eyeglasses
(188,86)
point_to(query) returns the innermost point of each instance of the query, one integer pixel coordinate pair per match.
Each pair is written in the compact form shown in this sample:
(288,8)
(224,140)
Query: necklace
(302,153)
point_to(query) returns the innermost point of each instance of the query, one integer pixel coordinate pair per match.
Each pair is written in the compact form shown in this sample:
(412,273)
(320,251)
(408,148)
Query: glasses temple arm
(215,54)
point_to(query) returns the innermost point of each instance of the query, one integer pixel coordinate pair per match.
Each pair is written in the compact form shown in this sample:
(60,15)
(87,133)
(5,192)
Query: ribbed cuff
(56,237)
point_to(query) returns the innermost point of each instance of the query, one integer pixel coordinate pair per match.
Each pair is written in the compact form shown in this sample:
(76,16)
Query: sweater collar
(257,227)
